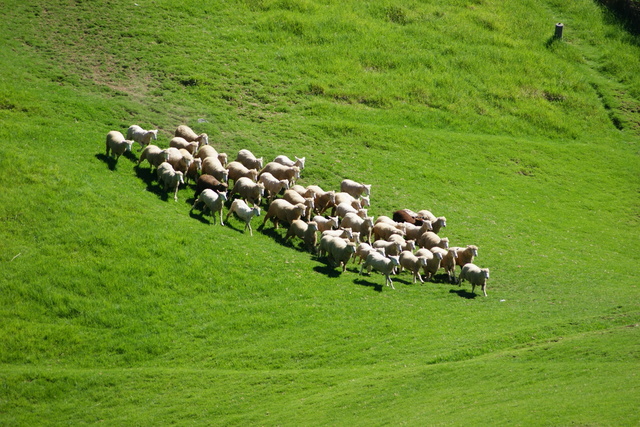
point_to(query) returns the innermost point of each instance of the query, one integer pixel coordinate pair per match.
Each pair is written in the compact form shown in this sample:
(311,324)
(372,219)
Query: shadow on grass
(376,286)
(462,293)
(327,270)
(274,234)
(149,178)
(110,161)
(201,217)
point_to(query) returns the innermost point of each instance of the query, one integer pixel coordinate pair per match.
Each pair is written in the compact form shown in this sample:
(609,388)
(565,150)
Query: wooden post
(559,28)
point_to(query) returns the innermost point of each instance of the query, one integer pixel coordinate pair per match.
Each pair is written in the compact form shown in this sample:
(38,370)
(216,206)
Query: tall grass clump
(118,304)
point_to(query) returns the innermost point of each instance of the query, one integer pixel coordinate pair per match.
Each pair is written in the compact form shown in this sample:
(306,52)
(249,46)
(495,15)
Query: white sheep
(390,248)
(187,133)
(213,200)
(382,231)
(430,239)
(180,159)
(326,223)
(434,260)
(362,250)
(194,170)
(362,225)
(238,170)
(213,166)
(413,263)
(308,232)
(284,160)
(343,209)
(153,154)
(272,185)
(117,144)
(179,142)
(448,262)
(344,233)
(381,263)
(170,178)
(281,210)
(412,231)
(244,212)
(406,245)
(141,136)
(250,161)
(476,276)
(290,173)
(209,151)
(294,197)
(251,192)
(339,251)
(355,188)
(322,199)
(466,255)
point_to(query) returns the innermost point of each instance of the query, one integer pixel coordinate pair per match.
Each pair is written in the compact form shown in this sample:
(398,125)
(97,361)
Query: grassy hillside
(119,305)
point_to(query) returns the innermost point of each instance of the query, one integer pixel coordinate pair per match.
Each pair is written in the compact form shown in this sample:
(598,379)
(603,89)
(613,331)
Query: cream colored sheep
(213,200)
(272,185)
(294,197)
(362,225)
(381,263)
(179,142)
(308,232)
(322,199)
(344,233)
(238,170)
(448,262)
(180,159)
(284,160)
(187,133)
(290,173)
(244,212)
(326,223)
(213,166)
(355,188)
(434,260)
(412,231)
(141,136)
(116,144)
(430,239)
(170,178)
(390,248)
(476,276)
(281,210)
(153,154)
(251,192)
(466,255)
(339,251)
(194,170)
(382,231)
(413,263)
(250,161)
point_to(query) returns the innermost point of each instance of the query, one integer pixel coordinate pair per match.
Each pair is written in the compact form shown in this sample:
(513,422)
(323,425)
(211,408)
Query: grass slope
(120,305)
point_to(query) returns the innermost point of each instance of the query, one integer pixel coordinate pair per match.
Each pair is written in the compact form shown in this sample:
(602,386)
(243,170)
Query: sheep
(362,250)
(306,231)
(209,151)
(290,173)
(362,225)
(170,178)
(213,166)
(237,170)
(338,250)
(344,233)
(476,276)
(250,161)
(466,255)
(244,212)
(425,214)
(354,188)
(153,154)
(141,136)
(386,220)
(179,142)
(193,171)
(381,263)
(434,261)
(248,190)
(412,231)
(342,197)
(180,160)
(281,210)
(406,245)
(326,223)
(209,181)
(390,248)
(187,133)
(406,215)
(430,239)
(294,197)
(284,160)
(213,200)
(439,223)
(382,231)
(412,263)
(272,185)
(300,190)
(322,199)
(117,144)
(448,262)
(343,209)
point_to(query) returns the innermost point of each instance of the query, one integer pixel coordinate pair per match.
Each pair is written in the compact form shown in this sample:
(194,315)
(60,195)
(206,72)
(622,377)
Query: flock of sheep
(331,224)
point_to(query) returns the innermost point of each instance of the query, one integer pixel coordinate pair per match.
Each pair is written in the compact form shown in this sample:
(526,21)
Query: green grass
(119,305)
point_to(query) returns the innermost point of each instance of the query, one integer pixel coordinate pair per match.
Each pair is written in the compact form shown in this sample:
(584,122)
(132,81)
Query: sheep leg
(390,283)
(221,222)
